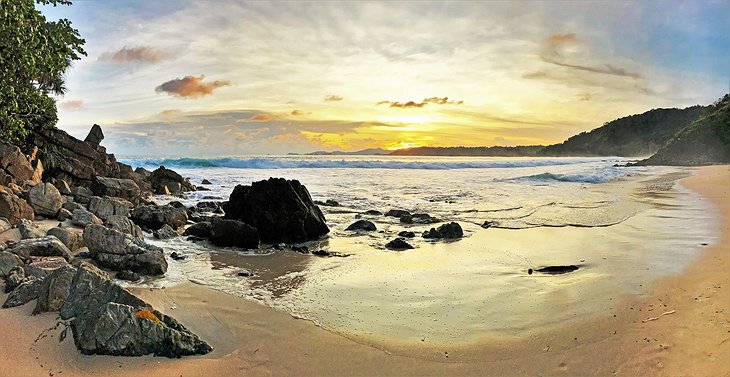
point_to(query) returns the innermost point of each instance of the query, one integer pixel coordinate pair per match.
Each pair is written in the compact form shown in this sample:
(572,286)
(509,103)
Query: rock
(14,208)
(201,229)
(125,225)
(406,234)
(166,181)
(555,270)
(327,203)
(105,207)
(446,231)
(398,244)
(154,217)
(397,213)
(81,195)
(128,276)
(244,273)
(14,164)
(29,230)
(233,233)
(176,256)
(40,267)
(47,246)
(120,251)
(207,206)
(71,238)
(124,330)
(72,206)
(24,293)
(82,218)
(64,214)
(54,290)
(419,218)
(5,225)
(95,136)
(62,187)
(205,182)
(300,249)
(121,188)
(14,278)
(166,232)
(281,211)
(45,199)
(362,225)
(8,261)
(372,212)
(488,224)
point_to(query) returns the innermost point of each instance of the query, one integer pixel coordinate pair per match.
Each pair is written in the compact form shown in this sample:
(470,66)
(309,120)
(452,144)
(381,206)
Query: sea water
(623,228)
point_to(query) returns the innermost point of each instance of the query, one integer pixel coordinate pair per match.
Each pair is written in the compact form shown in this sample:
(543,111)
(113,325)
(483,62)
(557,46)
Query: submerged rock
(281,211)
(362,225)
(406,234)
(446,231)
(555,270)
(398,244)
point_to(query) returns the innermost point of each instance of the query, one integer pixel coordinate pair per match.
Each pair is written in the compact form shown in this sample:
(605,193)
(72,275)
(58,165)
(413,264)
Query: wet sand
(693,338)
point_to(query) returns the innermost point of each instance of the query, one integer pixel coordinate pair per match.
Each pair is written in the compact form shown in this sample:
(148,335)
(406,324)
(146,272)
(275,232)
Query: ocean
(623,228)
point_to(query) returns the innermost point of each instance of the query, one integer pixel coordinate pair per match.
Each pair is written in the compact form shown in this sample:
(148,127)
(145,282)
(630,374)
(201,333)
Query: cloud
(297,112)
(71,105)
(333,98)
(559,49)
(140,54)
(190,87)
(259,118)
(413,104)
(170,113)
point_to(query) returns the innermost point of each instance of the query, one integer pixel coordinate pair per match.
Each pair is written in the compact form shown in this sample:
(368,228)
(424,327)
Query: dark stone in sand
(175,256)
(372,212)
(281,210)
(488,224)
(397,213)
(446,231)
(362,225)
(406,234)
(555,270)
(233,233)
(419,218)
(398,244)
(244,273)
(205,182)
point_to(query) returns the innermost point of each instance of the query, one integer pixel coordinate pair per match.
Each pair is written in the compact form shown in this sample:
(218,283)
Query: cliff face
(635,135)
(705,141)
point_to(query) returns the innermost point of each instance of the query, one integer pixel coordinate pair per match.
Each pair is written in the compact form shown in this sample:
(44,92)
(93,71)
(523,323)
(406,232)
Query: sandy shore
(681,327)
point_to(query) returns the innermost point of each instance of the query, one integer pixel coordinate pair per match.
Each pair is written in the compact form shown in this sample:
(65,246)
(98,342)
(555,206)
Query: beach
(680,325)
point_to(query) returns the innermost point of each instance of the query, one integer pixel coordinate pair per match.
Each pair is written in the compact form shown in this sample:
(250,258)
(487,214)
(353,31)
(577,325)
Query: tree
(34,55)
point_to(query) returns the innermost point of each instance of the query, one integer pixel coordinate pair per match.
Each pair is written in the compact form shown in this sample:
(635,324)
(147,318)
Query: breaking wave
(601,176)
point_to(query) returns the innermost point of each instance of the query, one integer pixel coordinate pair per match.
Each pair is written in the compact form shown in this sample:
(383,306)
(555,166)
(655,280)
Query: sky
(214,78)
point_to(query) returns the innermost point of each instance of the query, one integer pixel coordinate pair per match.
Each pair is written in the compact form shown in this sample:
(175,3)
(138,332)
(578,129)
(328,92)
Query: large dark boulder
(365,225)
(166,181)
(121,188)
(201,229)
(155,217)
(233,233)
(95,136)
(281,210)
(119,251)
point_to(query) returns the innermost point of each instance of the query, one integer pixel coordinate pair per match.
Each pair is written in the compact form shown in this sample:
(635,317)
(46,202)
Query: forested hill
(706,141)
(631,136)
(517,151)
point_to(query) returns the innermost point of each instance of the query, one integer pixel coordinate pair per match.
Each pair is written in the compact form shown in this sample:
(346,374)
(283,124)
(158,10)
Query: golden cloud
(190,87)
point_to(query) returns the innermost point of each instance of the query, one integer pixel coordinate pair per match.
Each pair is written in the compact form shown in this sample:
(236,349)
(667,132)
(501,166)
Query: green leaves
(34,54)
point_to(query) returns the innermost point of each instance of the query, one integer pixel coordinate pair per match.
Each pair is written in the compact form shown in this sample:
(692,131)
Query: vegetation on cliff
(34,55)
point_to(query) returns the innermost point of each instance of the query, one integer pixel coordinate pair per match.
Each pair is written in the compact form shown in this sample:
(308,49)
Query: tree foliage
(34,55)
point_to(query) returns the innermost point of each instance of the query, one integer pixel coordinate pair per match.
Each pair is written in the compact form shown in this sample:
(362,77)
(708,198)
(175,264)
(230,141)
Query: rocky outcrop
(125,225)
(14,166)
(281,210)
(54,290)
(14,208)
(45,199)
(116,187)
(48,246)
(95,136)
(233,233)
(446,231)
(8,261)
(165,182)
(82,218)
(155,217)
(120,251)
(362,225)
(105,207)
(24,293)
